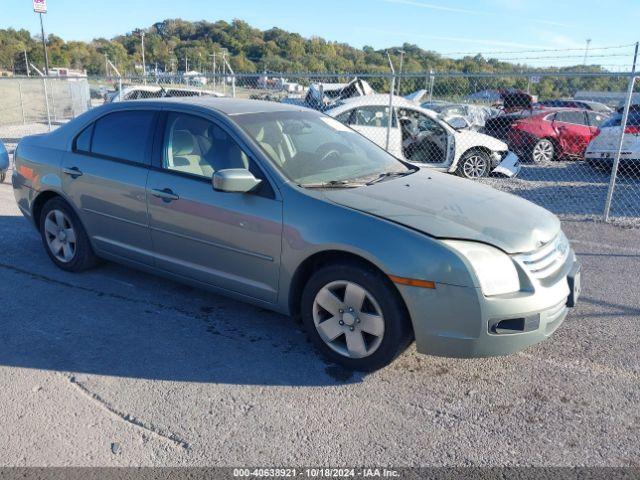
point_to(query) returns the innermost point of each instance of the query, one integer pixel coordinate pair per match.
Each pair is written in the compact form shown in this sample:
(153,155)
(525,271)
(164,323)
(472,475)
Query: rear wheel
(64,237)
(3,176)
(474,164)
(355,317)
(543,151)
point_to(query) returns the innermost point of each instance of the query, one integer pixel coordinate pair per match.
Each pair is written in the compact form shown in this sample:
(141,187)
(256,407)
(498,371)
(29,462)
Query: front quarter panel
(312,225)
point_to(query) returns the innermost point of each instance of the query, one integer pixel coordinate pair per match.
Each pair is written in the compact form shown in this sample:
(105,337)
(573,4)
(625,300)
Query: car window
(310,148)
(374,116)
(146,94)
(574,117)
(199,147)
(83,141)
(595,118)
(344,117)
(123,135)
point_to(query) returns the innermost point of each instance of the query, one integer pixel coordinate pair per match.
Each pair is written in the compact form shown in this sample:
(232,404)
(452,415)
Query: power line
(562,57)
(547,50)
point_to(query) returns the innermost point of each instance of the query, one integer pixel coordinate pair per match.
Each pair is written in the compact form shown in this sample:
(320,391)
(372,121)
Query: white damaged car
(418,136)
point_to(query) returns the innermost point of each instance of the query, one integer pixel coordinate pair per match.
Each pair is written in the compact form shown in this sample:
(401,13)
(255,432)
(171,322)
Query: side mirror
(459,123)
(234,180)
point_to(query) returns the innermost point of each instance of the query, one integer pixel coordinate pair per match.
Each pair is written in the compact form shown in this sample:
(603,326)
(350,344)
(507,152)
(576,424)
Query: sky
(452,28)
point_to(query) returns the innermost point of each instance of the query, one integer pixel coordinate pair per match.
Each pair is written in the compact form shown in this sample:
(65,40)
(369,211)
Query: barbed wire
(545,50)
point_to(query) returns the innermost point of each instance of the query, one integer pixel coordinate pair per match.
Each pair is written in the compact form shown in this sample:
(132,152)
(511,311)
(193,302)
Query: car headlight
(495,270)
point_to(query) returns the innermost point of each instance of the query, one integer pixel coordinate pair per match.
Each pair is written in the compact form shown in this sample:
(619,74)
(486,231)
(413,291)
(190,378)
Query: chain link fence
(40,100)
(552,138)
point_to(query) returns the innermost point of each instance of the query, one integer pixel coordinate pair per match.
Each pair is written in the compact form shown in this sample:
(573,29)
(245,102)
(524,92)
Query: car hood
(469,138)
(445,206)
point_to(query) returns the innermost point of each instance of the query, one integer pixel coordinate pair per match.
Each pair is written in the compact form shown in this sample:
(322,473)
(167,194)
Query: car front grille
(547,260)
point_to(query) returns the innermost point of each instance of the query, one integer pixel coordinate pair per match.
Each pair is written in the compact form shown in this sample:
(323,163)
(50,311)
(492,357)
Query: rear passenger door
(228,240)
(105,176)
(574,133)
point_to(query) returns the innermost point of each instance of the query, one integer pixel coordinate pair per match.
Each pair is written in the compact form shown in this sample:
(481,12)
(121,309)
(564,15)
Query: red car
(553,133)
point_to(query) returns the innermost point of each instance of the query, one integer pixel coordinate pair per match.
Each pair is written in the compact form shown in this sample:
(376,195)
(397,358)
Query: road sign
(40,6)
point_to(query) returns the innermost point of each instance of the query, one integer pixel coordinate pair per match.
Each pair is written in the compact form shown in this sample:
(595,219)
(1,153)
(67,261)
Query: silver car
(291,210)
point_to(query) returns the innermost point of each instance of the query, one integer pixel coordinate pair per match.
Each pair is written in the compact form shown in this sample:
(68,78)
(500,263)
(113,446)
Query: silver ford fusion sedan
(291,210)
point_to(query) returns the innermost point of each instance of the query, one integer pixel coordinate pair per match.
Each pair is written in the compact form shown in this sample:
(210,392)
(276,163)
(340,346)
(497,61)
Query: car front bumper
(454,321)
(509,166)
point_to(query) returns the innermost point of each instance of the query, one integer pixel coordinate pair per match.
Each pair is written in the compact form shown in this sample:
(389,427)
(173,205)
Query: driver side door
(433,145)
(373,123)
(231,241)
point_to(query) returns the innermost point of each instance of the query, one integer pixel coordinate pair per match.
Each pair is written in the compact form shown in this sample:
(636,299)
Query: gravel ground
(114,367)
(574,190)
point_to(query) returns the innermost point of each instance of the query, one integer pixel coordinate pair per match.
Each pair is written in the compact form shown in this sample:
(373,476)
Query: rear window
(616,120)
(571,117)
(83,141)
(123,135)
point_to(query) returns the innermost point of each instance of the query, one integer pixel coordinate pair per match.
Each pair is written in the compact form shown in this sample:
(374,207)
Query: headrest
(182,142)
(270,133)
(218,134)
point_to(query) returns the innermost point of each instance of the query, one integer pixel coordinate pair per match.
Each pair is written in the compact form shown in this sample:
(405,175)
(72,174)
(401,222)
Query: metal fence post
(24,120)
(391,91)
(623,126)
(53,101)
(46,101)
(432,81)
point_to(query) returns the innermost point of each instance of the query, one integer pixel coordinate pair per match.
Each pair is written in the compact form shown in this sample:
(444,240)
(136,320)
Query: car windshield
(316,150)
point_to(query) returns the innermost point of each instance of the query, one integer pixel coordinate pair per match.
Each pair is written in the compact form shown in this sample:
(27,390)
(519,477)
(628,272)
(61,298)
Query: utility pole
(44,46)
(26,63)
(213,60)
(402,52)
(144,63)
(586,51)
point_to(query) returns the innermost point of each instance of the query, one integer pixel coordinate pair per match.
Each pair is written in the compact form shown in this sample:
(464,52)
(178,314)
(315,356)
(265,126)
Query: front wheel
(355,317)
(474,164)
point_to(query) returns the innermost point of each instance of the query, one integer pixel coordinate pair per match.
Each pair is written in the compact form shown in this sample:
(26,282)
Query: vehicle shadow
(119,322)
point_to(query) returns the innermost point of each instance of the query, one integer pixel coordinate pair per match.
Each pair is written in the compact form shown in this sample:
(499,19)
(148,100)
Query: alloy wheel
(542,152)
(348,319)
(475,166)
(60,236)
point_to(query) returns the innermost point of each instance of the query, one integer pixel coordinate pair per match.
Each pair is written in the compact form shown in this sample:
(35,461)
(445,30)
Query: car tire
(474,164)
(3,176)
(65,239)
(366,338)
(543,151)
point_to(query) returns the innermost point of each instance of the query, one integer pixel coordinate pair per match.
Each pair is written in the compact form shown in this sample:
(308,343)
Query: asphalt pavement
(114,367)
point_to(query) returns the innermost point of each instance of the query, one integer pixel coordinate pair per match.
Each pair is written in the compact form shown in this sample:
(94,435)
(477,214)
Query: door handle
(73,172)
(166,194)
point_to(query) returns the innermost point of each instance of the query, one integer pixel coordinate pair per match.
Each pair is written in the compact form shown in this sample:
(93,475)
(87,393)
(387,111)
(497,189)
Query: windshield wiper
(385,175)
(333,184)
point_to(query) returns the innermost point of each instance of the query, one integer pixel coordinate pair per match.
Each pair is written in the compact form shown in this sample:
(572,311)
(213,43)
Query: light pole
(44,46)
(586,51)
(402,52)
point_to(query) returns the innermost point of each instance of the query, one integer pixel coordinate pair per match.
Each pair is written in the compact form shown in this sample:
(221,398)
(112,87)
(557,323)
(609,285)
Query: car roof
(378,99)
(226,105)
